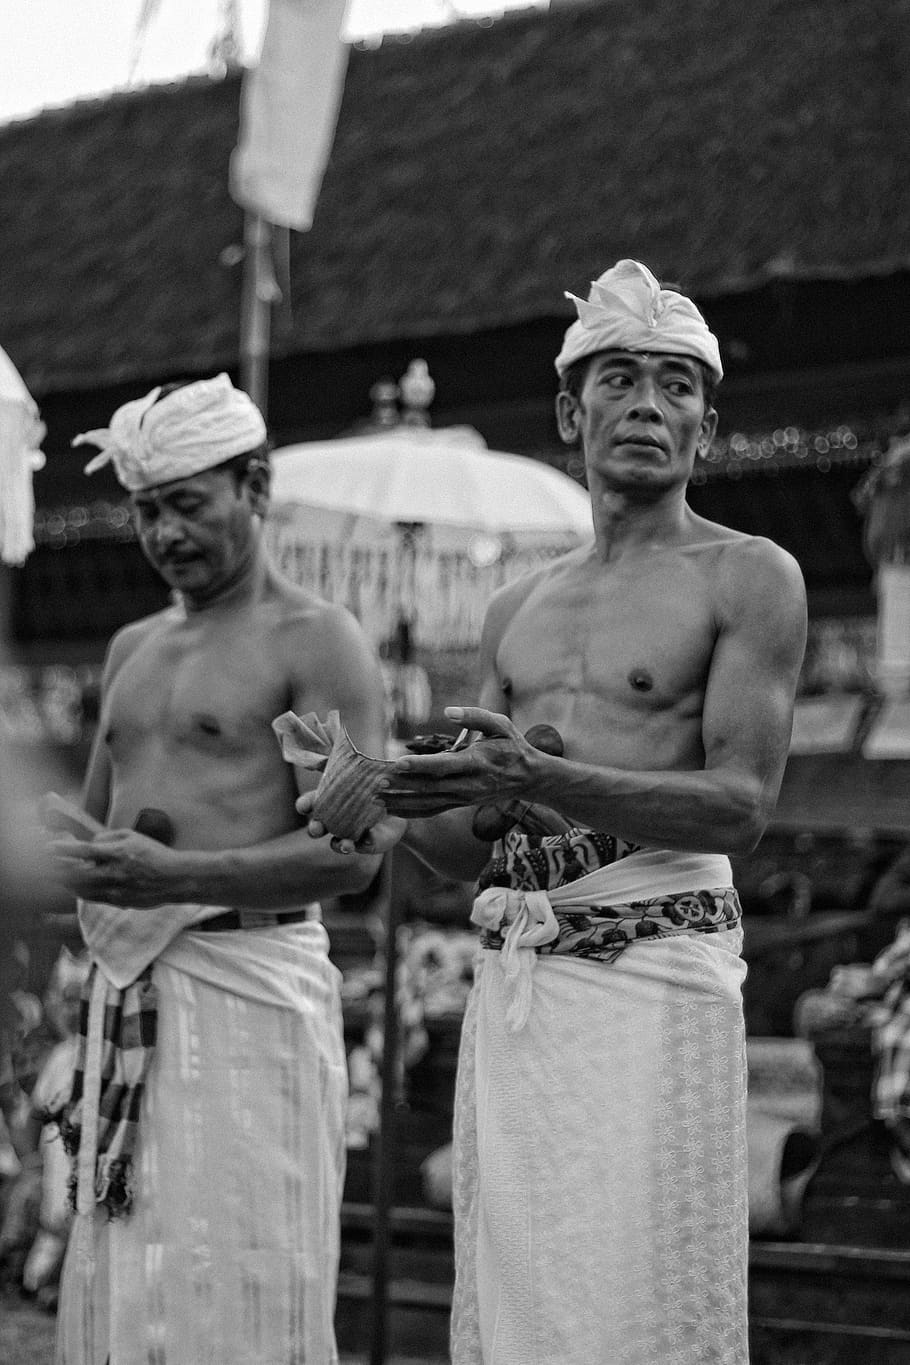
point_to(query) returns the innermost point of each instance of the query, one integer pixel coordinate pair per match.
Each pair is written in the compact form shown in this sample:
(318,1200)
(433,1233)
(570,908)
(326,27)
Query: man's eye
(680,387)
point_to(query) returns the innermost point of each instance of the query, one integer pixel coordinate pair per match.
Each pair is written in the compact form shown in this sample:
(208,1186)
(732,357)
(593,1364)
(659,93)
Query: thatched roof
(477,172)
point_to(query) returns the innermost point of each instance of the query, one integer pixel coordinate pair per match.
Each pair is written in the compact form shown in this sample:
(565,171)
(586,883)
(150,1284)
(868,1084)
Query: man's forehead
(667,359)
(193,483)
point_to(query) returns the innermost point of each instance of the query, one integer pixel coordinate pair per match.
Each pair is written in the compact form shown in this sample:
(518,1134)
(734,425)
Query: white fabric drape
(21,434)
(231,1251)
(600,1178)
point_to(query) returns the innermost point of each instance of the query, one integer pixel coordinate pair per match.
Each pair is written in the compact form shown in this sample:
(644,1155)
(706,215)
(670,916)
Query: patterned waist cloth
(533,863)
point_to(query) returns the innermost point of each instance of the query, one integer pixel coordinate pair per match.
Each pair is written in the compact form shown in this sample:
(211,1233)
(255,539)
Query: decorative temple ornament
(417,391)
(402,404)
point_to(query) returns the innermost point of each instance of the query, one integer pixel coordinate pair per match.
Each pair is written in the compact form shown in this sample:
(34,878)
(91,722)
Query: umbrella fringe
(443,595)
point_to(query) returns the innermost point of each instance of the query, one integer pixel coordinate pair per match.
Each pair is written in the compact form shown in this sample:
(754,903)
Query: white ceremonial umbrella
(419,525)
(21,433)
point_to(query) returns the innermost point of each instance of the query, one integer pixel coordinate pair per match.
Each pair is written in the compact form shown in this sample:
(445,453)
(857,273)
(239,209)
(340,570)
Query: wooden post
(384,1147)
(257,297)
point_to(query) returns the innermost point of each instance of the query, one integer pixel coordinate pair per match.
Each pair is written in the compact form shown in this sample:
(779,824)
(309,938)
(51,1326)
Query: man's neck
(243,587)
(624,523)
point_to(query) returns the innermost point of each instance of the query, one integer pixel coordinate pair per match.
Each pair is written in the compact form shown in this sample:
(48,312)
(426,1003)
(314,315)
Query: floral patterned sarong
(530,862)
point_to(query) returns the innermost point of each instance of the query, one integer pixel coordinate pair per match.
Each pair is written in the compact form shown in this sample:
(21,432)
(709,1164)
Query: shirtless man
(599,1164)
(231,1181)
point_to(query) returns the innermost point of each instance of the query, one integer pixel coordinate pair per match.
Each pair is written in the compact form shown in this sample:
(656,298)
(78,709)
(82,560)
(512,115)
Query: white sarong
(230,1253)
(600,1177)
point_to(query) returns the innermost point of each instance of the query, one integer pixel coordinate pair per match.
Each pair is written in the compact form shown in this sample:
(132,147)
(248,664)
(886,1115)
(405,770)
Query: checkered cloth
(128,1035)
(891,1029)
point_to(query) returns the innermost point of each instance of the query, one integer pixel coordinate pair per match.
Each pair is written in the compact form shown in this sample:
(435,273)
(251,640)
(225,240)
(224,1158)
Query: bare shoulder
(753,568)
(301,618)
(508,600)
(129,638)
(322,649)
(329,663)
(759,594)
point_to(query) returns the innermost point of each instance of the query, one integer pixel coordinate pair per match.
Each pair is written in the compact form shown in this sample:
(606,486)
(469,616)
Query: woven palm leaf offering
(304,740)
(347,798)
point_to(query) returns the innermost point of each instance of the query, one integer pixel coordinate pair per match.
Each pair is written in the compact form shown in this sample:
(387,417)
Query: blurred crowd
(37,1057)
(40,984)
(42,972)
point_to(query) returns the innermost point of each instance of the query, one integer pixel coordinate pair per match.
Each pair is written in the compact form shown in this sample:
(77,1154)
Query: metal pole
(384,1150)
(257,296)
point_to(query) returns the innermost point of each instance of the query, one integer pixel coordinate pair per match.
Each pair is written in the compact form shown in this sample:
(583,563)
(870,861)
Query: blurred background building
(477,172)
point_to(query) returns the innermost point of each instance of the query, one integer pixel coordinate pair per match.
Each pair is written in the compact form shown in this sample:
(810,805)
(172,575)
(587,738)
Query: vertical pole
(255,311)
(384,1150)
(5,608)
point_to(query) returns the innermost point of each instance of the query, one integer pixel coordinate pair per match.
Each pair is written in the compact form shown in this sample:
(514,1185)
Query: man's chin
(641,475)
(188,574)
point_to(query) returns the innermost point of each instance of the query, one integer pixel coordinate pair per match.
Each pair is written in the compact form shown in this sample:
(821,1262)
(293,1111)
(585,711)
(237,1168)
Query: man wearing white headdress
(206,1121)
(600,1190)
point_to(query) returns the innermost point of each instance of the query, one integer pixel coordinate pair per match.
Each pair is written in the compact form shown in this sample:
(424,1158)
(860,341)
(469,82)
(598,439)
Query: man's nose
(168,531)
(643,402)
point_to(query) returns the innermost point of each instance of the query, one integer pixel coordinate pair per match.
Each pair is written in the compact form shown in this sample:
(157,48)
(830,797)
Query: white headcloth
(188,431)
(627,310)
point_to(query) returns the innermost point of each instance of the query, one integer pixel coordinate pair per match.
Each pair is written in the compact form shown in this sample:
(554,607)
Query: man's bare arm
(121,867)
(96,784)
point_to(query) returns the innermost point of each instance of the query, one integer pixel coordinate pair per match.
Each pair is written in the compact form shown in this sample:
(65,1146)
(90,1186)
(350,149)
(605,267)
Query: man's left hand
(119,867)
(498,766)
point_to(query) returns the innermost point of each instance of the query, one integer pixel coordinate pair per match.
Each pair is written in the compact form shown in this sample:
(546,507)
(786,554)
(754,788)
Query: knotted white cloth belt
(531,922)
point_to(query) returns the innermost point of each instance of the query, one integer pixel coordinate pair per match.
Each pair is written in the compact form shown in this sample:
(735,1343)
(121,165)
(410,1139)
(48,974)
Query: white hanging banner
(288,110)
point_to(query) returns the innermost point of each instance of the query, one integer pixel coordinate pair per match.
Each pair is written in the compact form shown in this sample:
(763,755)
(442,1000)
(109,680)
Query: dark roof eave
(873,268)
(464,217)
(429,326)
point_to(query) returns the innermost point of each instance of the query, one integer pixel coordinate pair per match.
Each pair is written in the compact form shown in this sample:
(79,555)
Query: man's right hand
(119,866)
(60,816)
(379,838)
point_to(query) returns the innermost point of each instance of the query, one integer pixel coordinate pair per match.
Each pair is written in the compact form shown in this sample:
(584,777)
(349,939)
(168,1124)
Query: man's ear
(259,481)
(707,431)
(567,418)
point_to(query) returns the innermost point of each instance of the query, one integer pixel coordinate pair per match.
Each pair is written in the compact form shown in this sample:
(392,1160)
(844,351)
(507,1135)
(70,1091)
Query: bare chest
(633,644)
(216,694)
